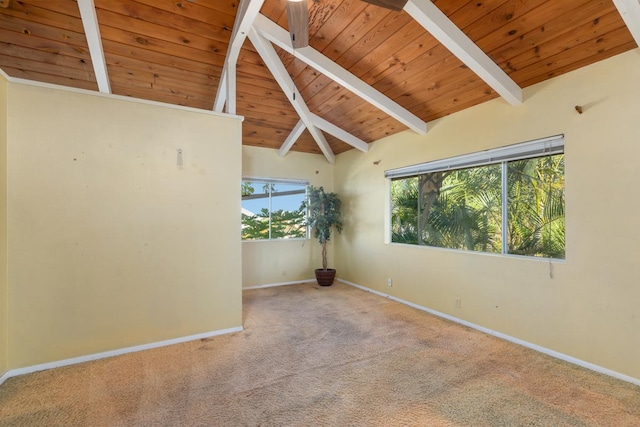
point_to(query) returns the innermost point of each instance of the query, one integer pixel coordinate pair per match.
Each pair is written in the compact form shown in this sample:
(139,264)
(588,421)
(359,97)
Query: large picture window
(508,200)
(271,209)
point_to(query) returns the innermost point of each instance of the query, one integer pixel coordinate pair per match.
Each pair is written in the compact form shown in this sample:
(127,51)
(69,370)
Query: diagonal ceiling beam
(277,35)
(630,12)
(446,32)
(329,128)
(247,12)
(94,41)
(292,138)
(279,72)
(339,133)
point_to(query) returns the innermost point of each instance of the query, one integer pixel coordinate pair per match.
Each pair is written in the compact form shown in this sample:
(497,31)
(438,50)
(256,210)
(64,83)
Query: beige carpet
(333,356)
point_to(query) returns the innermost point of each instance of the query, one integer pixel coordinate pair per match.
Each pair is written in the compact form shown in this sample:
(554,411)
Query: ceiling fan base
(396,5)
(298,18)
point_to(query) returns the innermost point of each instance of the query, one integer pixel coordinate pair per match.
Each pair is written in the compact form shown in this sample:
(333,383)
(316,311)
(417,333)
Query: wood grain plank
(49,78)
(217,12)
(29,28)
(534,34)
(153,80)
(145,29)
(335,24)
(20,52)
(133,80)
(588,48)
(44,46)
(155,45)
(359,25)
(158,96)
(493,17)
(159,58)
(76,73)
(43,13)
(162,71)
(567,41)
(253,109)
(154,21)
(373,39)
(521,24)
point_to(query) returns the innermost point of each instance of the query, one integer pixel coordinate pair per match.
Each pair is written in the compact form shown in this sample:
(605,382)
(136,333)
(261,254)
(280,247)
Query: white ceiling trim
(94,41)
(279,72)
(292,138)
(277,35)
(339,133)
(247,12)
(630,12)
(446,32)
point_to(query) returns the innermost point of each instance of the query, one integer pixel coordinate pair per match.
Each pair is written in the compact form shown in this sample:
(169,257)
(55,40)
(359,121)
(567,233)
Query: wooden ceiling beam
(226,94)
(446,32)
(630,12)
(275,65)
(277,35)
(92,33)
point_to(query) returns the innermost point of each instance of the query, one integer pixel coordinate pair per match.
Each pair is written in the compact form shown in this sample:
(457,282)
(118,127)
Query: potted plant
(324,214)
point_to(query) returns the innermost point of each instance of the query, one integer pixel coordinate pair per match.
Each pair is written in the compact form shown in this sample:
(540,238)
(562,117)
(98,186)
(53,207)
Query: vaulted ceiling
(369,71)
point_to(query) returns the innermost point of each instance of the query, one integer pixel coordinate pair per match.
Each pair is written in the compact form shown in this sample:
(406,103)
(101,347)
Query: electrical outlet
(458,302)
(389,283)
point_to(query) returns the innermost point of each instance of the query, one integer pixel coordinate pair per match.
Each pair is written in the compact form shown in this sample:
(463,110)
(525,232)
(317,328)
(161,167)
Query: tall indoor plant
(324,214)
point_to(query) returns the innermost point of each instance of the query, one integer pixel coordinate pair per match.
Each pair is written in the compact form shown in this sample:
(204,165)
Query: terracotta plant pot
(325,277)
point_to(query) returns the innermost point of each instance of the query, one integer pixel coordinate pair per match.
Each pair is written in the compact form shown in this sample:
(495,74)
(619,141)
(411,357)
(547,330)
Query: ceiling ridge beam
(226,94)
(446,32)
(270,57)
(94,41)
(630,12)
(292,138)
(277,35)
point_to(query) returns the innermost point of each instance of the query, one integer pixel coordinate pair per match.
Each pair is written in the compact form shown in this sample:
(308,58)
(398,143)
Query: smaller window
(272,209)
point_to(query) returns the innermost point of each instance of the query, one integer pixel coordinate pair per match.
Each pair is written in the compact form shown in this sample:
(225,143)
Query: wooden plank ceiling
(173,51)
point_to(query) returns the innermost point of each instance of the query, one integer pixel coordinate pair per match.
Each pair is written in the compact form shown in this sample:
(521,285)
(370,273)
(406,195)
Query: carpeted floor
(337,356)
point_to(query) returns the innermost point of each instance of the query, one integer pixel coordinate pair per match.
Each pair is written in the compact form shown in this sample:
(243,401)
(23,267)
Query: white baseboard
(96,356)
(270,285)
(505,337)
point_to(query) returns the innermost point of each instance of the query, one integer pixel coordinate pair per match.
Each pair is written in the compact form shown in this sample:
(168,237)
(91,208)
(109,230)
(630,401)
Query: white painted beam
(221,94)
(292,138)
(630,12)
(94,41)
(247,12)
(446,32)
(339,133)
(279,72)
(277,35)
(231,79)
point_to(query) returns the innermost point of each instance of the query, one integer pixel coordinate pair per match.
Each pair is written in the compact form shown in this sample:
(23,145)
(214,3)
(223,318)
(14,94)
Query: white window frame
(525,150)
(284,181)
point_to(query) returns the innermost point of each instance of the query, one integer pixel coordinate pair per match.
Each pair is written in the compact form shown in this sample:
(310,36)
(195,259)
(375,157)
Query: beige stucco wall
(283,261)
(111,243)
(3,225)
(585,307)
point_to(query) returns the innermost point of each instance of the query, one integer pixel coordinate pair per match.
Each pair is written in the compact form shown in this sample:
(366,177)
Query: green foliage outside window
(272,211)
(462,209)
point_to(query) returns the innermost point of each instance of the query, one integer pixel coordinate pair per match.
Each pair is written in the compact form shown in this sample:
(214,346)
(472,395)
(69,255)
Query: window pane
(255,210)
(536,207)
(458,209)
(287,218)
(462,209)
(272,210)
(404,210)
